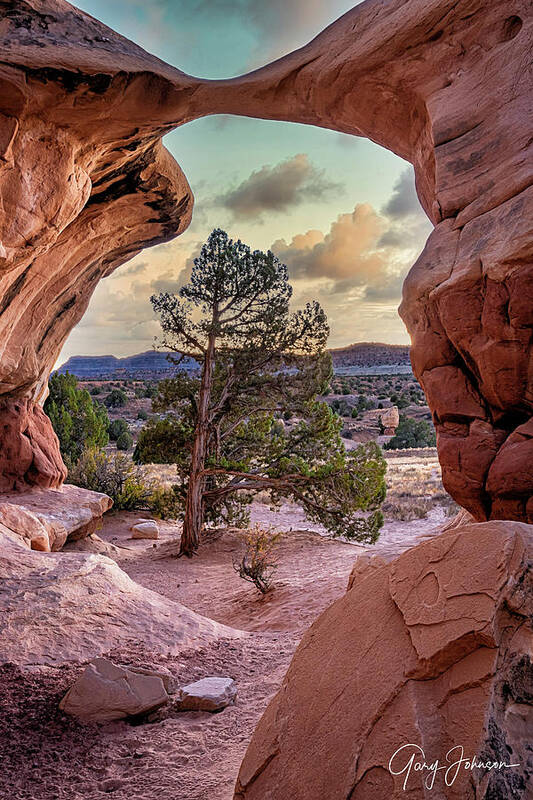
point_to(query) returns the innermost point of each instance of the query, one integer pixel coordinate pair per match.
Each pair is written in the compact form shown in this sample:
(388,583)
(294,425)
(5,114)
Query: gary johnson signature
(410,758)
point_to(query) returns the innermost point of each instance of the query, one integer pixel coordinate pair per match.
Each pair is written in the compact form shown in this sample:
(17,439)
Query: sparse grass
(413,490)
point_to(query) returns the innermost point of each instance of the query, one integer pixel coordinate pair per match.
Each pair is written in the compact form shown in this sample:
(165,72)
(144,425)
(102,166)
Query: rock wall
(428,650)
(85,183)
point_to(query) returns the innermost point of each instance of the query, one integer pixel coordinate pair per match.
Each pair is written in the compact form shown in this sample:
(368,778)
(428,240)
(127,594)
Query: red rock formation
(454,615)
(85,184)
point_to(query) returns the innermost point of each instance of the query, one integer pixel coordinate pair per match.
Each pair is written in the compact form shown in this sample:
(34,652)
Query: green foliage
(113,475)
(116,428)
(125,441)
(259,361)
(167,503)
(76,419)
(164,441)
(355,413)
(149,391)
(142,414)
(412,433)
(117,398)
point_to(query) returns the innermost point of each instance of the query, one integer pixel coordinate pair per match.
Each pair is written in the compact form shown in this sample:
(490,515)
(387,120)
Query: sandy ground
(45,755)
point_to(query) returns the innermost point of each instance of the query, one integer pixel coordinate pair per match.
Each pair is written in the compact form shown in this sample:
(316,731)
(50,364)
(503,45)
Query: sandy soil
(45,755)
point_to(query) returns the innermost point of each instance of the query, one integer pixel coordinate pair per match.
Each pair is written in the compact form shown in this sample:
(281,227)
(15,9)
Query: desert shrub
(355,413)
(125,441)
(113,475)
(167,502)
(150,391)
(116,428)
(77,420)
(95,390)
(142,414)
(258,563)
(412,433)
(117,398)
(161,441)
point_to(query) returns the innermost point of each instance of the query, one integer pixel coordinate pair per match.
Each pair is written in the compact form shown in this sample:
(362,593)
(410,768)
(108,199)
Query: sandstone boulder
(208,694)
(70,607)
(106,692)
(145,529)
(431,649)
(46,518)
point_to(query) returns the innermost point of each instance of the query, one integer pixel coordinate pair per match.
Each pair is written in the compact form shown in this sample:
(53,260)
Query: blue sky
(340,211)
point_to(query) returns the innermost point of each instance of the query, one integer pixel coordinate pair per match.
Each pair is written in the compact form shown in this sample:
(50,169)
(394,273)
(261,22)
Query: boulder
(145,529)
(47,518)
(106,692)
(58,608)
(427,651)
(208,694)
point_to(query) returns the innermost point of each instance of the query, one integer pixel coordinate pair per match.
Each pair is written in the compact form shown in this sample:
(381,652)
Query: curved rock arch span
(85,184)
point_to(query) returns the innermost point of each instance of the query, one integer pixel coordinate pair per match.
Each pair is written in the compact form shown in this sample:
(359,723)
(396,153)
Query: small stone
(208,694)
(146,529)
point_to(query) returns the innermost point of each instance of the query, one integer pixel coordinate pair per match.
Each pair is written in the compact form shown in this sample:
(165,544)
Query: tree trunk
(194,504)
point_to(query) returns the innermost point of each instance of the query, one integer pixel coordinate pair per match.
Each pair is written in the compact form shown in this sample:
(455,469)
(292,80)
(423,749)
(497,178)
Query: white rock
(145,530)
(105,692)
(58,608)
(209,694)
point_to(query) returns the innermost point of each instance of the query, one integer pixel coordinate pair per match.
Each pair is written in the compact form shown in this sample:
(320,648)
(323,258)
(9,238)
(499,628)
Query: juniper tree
(223,428)
(77,420)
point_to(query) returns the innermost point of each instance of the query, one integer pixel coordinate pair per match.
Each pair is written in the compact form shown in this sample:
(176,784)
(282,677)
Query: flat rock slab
(46,518)
(209,694)
(105,692)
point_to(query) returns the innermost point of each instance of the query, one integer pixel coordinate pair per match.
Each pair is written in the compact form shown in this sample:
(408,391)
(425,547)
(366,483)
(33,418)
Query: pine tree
(258,360)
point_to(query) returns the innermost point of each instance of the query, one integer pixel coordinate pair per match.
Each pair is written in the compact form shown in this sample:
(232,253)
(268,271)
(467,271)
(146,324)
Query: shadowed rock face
(85,184)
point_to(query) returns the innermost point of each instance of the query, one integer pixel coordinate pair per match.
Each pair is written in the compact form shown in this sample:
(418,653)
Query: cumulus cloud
(346,251)
(365,255)
(278,188)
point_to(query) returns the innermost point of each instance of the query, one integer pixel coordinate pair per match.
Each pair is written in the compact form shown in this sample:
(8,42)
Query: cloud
(278,188)
(403,201)
(364,256)
(346,251)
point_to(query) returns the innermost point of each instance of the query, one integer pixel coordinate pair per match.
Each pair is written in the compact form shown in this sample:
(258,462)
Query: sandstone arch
(85,184)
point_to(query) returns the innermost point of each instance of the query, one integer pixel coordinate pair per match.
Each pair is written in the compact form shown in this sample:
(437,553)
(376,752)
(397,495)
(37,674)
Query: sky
(340,211)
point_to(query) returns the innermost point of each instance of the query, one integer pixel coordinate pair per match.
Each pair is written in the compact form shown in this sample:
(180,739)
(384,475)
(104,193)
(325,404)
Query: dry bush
(258,563)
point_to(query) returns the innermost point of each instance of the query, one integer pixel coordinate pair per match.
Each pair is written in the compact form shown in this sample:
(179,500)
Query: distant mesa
(153,363)
(363,354)
(355,358)
(371,358)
